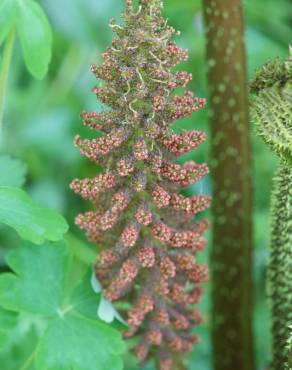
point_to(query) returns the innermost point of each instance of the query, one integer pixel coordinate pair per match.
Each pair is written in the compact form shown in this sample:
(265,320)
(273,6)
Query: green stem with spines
(271,112)
(280,265)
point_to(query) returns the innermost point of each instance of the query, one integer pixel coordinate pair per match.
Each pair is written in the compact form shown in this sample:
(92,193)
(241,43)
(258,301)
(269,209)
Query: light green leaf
(35,37)
(7,17)
(45,284)
(52,280)
(12,171)
(86,344)
(31,221)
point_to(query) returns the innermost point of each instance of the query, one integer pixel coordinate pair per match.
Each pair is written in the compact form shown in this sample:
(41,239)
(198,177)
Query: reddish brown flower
(141,222)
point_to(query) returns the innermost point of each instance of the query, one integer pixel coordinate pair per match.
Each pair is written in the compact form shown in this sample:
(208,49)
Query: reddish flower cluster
(144,226)
(92,149)
(185,105)
(180,144)
(91,188)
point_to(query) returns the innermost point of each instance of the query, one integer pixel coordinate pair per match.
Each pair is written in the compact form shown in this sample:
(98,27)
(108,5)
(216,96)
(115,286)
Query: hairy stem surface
(231,170)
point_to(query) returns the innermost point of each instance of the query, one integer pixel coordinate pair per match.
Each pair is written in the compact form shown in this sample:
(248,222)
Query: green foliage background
(42,117)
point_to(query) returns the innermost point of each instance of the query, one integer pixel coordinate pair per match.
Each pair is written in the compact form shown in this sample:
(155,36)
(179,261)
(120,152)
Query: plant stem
(232,197)
(4,71)
(280,266)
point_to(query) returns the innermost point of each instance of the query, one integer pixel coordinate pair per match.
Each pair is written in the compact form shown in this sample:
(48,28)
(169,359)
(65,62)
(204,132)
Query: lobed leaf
(31,221)
(75,342)
(48,272)
(45,283)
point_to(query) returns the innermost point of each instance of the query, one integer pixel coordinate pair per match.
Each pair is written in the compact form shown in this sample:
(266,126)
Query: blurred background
(42,118)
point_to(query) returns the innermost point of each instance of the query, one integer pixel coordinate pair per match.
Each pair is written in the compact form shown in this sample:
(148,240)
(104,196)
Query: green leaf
(8,321)
(35,37)
(12,171)
(21,344)
(86,344)
(45,284)
(31,221)
(7,17)
(30,279)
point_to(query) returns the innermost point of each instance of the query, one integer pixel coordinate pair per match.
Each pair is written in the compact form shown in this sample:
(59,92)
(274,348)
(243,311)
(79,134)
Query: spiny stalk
(272,114)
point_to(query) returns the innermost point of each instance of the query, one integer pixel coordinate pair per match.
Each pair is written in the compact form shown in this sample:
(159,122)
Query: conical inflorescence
(272,113)
(143,224)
